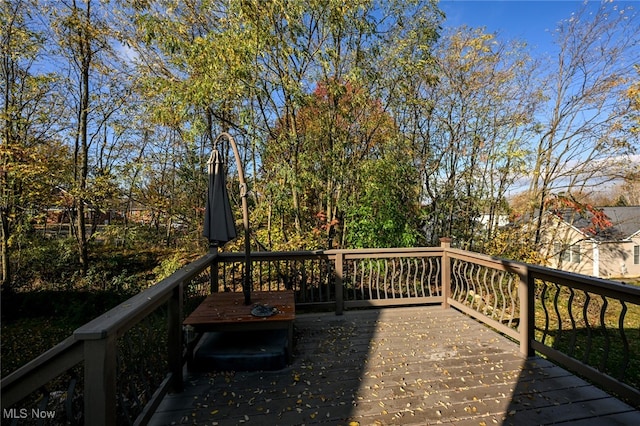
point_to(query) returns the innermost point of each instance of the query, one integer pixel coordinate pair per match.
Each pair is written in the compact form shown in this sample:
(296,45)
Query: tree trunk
(85,57)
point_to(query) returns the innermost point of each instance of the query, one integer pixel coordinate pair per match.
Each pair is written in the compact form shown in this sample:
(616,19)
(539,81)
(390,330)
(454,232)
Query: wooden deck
(396,366)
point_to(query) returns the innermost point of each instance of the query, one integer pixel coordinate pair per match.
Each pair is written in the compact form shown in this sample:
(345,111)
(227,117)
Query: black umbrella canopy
(219,225)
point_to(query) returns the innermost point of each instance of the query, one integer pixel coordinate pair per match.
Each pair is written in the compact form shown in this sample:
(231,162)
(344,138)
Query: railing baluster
(433,275)
(356,285)
(309,284)
(438,277)
(393,278)
(501,281)
(401,278)
(416,273)
(408,276)
(422,276)
(574,329)
(585,314)
(378,279)
(370,280)
(361,280)
(386,279)
(625,343)
(556,308)
(470,282)
(507,312)
(479,286)
(486,296)
(607,340)
(68,402)
(511,283)
(543,297)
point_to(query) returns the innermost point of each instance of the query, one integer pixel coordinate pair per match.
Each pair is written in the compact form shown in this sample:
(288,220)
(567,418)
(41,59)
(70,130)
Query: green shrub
(44,264)
(169,265)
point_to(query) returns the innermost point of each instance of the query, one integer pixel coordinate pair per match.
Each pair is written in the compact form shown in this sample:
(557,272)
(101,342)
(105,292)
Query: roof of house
(623,223)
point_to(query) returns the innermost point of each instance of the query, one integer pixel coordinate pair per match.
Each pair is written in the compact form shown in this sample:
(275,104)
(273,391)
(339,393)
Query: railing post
(338,283)
(174,339)
(100,381)
(527,311)
(445,243)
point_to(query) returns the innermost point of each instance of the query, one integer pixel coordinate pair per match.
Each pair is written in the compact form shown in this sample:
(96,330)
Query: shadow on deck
(400,366)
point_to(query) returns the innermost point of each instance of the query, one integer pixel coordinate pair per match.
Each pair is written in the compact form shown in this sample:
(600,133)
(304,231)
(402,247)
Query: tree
(343,137)
(634,96)
(94,93)
(583,136)
(384,211)
(34,160)
(465,119)
(248,66)
(344,47)
(194,73)
(301,43)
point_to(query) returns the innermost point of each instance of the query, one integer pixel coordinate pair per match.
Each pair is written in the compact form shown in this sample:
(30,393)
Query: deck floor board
(400,366)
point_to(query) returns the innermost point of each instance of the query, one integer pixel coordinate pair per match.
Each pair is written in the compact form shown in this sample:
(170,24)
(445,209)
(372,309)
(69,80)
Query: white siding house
(574,244)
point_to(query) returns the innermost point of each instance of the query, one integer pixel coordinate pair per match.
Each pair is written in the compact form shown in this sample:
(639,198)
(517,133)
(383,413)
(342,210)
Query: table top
(229,308)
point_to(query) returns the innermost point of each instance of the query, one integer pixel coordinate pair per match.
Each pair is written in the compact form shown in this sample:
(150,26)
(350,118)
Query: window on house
(568,253)
(575,254)
(636,255)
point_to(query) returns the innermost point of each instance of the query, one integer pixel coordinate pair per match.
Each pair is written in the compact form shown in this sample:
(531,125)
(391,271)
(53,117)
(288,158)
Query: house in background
(603,244)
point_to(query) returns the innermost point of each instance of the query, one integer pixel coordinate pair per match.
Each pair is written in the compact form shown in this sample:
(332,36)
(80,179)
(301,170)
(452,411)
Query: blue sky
(530,20)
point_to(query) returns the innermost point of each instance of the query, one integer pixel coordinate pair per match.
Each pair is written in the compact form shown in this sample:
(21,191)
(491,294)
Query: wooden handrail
(612,289)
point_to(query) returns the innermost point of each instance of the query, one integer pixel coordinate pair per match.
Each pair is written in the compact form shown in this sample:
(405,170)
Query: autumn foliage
(559,204)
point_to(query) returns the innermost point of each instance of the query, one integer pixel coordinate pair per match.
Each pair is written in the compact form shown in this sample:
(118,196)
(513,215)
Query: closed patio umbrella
(219,225)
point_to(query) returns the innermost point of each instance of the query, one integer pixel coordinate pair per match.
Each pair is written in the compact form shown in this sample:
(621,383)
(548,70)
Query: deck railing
(116,368)
(339,279)
(589,325)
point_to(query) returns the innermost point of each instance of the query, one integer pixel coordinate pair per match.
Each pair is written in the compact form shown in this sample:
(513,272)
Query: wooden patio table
(226,312)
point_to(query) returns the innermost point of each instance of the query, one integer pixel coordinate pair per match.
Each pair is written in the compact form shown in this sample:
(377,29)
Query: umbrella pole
(213,276)
(246,284)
